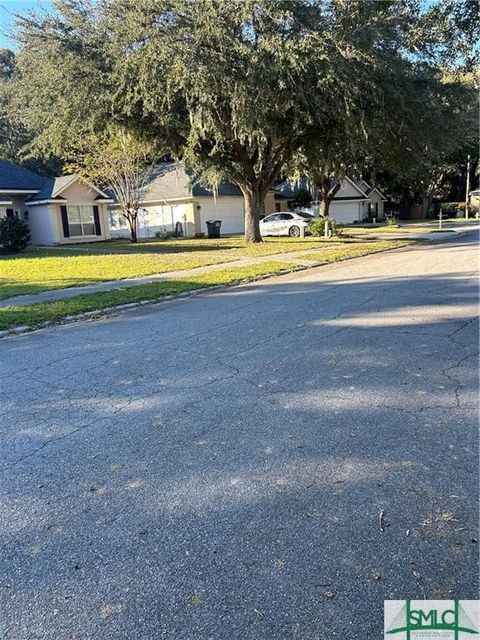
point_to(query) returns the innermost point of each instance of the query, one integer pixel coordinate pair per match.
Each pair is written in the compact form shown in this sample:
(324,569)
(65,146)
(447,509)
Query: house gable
(77,192)
(376,195)
(348,189)
(69,187)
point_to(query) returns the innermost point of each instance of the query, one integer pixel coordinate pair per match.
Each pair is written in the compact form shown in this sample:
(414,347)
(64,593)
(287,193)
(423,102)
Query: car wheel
(294,232)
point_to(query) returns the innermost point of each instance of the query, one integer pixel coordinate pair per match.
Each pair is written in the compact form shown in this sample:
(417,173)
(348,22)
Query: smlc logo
(439,619)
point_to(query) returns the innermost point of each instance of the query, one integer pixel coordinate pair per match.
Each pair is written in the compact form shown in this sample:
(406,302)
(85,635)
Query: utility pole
(468,187)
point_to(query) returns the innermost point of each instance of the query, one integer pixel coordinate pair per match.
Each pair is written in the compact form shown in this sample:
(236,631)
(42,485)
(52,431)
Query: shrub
(392,221)
(317,227)
(450,209)
(14,235)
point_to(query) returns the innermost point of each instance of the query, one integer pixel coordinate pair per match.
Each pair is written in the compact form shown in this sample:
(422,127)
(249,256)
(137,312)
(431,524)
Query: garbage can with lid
(213,228)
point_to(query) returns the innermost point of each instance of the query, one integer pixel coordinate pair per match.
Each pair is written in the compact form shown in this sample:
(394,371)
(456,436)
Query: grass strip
(40,270)
(40,312)
(357,251)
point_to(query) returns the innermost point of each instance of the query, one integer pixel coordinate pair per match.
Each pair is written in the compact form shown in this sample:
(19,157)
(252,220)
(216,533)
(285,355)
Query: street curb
(110,311)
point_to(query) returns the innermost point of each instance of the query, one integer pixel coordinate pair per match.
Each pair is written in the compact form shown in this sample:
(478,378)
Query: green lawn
(391,228)
(38,313)
(57,268)
(413,226)
(333,254)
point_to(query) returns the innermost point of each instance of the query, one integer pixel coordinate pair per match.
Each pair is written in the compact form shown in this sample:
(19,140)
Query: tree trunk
(133,232)
(254,199)
(324,208)
(326,192)
(132,223)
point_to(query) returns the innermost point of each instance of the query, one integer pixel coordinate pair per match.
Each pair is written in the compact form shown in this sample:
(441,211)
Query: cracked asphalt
(269,462)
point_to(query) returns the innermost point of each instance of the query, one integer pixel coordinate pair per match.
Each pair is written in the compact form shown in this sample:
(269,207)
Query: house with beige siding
(62,210)
(171,203)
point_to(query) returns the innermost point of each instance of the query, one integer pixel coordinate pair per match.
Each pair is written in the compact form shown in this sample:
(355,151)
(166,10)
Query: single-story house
(376,200)
(171,203)
(353,202)
(61,210)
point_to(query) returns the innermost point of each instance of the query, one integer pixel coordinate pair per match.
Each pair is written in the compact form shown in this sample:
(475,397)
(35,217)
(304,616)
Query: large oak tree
(237,89)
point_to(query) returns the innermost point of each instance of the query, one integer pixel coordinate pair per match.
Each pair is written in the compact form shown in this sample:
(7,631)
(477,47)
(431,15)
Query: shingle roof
(287,188)
(171,180)
(15,177)
(224,189)
(50,186)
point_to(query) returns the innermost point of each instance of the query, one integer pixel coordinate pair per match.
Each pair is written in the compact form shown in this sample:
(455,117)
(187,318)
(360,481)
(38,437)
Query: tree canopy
(244,91)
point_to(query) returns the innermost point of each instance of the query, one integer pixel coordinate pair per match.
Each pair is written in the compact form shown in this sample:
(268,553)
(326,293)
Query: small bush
(317,227)
(450,209)
(14,235)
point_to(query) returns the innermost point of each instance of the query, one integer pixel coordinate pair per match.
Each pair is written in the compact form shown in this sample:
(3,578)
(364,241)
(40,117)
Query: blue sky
(10,7)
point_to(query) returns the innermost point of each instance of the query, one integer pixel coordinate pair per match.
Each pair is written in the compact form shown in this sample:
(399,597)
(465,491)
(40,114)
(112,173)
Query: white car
(285,224)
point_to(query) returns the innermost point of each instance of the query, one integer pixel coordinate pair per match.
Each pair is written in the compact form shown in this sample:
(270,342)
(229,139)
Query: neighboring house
(474,199)
(60,210)
(353,202)
(171,203)
(376,200)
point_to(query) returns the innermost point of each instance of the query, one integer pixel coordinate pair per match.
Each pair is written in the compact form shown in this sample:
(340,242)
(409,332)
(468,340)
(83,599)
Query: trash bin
(213,228)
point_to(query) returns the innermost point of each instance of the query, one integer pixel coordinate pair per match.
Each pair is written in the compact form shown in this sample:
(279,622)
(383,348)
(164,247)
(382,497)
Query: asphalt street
(268,462)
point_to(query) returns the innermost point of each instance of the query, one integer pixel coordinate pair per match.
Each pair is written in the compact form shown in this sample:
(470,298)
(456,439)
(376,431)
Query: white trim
(66,201)
(356,187)
(379,193)
(35,202)
(20,191)
(164,201)
(73,179)
(5,202)
(372,189)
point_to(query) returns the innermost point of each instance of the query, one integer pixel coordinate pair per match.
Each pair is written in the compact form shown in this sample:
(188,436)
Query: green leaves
(242,90)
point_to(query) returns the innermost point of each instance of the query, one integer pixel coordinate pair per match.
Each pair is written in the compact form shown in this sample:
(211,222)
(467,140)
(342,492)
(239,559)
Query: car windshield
(304,214)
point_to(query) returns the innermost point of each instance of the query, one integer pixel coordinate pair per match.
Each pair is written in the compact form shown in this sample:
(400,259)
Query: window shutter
(66,231)
(96,218)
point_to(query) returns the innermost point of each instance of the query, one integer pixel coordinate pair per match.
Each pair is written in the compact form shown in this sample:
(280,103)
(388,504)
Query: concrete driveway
(270,462)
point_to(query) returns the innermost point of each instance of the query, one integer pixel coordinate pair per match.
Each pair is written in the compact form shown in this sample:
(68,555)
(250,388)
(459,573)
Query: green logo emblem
(447,619)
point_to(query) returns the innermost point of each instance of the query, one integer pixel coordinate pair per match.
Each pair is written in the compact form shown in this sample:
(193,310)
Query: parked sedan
(285,224)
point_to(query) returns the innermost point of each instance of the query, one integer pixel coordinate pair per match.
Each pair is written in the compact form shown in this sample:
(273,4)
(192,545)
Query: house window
(81,221)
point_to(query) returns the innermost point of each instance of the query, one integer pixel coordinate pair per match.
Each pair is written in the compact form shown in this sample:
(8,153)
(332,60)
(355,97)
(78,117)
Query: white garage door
(229,210)
(345,212)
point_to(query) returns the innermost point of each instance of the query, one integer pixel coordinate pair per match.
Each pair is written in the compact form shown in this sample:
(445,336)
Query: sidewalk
(433,234)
